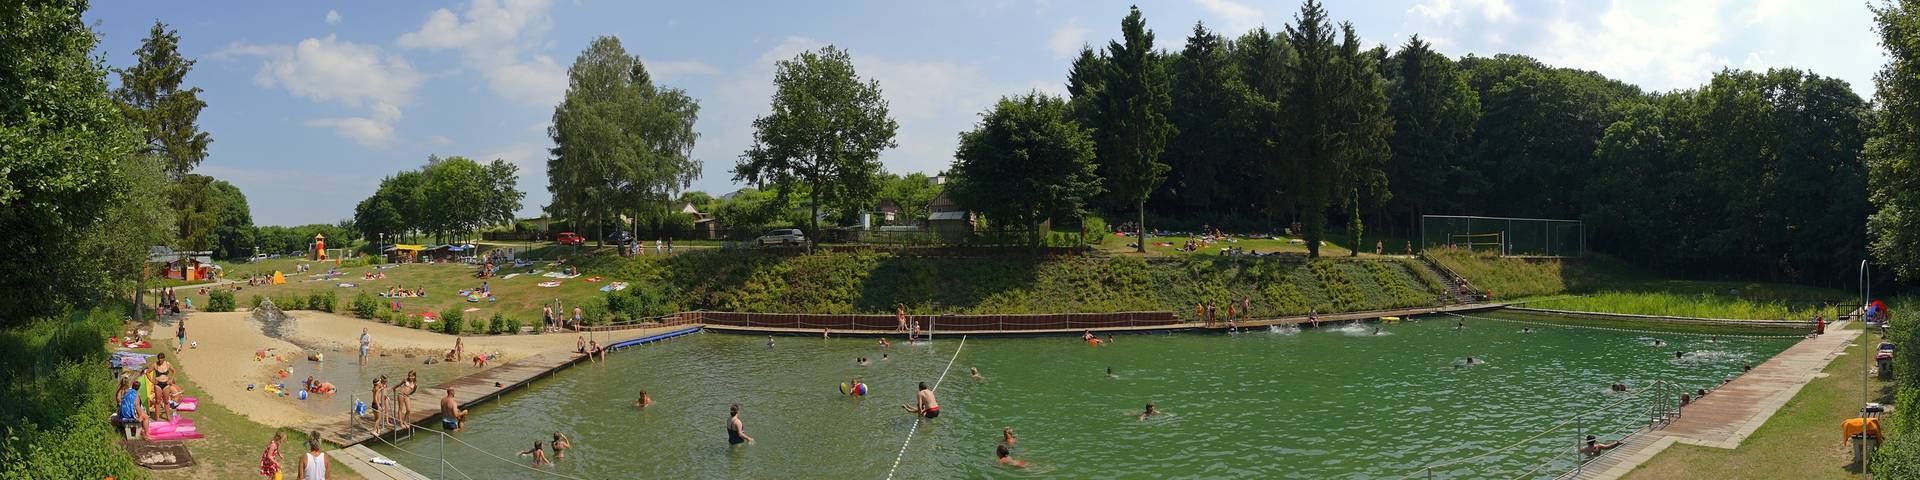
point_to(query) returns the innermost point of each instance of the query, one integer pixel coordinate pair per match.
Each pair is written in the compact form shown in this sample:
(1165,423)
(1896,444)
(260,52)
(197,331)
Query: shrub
(595,313)
(364,306)
(291,302)
(475,324)
(513,327)
(322,301)
(255,301)
(451,321)
(414,321)
(220,301)
(498,324)
(1093,230)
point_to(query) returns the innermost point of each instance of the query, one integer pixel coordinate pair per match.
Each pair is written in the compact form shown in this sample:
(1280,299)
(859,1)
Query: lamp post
(1866,355)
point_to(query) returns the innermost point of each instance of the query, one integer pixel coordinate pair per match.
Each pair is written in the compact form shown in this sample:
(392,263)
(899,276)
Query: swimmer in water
(1110,373)
(854,387)
(883,356)
(1658,343)
(769,341)
(1006,437)
(1594,448)
(1474,361)
(538,453)
(1149,412)
(923,403)
(1376,330)
(1462,325)
(1679,355)
(1526,330)
(1006,457)
(885,344)
(736,433)
(861,361)
(973,372)
(644,400)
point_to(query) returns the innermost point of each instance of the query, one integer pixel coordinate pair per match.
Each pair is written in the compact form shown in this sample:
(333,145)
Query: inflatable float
(857,389)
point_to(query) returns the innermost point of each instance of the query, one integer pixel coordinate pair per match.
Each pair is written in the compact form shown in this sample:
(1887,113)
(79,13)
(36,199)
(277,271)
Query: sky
(310,104)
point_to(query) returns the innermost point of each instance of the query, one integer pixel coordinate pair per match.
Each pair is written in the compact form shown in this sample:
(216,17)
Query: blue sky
(311,103)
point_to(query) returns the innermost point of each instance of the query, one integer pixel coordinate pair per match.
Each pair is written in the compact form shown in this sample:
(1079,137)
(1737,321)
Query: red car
(570,238)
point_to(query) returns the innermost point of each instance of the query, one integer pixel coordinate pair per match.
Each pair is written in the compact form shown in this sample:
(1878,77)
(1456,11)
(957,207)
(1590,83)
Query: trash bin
(1864,445)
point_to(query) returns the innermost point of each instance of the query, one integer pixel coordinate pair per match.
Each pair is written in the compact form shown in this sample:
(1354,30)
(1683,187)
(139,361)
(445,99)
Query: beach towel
(471,309)
(346,285)
(158,456)
(509,276)
(594,279)
(188,404)
(614,287)
(549,284)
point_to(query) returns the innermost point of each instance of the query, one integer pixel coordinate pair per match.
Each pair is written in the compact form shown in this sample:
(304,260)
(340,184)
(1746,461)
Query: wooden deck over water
(468,391)
(1726,416)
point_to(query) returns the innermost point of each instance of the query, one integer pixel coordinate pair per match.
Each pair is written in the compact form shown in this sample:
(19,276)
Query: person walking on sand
(366,342)
(180,334)
(270,458)
(578,315)
(546,318)
(736,433)
(313,465)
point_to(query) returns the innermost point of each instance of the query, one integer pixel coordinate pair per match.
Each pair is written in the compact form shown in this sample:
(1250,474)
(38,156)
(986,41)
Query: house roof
(954,215)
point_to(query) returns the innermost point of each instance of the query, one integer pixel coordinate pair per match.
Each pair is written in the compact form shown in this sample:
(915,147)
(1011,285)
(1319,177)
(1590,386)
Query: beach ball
(302,395)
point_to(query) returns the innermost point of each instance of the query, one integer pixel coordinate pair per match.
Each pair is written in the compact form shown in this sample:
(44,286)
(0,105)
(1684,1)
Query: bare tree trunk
(1141,228)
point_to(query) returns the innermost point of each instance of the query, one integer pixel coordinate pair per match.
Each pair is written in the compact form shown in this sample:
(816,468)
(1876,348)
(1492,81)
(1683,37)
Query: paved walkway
(1729,414)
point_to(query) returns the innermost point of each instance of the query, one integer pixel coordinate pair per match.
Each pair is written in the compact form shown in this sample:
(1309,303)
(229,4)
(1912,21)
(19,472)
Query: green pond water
(1321,403)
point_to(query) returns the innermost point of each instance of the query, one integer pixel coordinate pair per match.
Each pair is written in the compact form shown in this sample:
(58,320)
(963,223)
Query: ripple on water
(1315,405)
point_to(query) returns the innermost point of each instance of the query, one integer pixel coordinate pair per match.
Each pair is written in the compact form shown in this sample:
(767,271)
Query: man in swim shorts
(924,403)
(451,416)
(366,341)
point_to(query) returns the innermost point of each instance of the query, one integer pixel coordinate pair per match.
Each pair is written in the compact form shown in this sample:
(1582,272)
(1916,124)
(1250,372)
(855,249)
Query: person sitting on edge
(644,400)
(924,403)
(1006,458)
(1594,448)
(539,454)
(451,416)
(1151,411)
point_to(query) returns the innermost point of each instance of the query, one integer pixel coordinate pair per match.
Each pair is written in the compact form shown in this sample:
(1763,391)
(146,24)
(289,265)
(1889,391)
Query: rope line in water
(916,421)
(1625,330)
(444,461)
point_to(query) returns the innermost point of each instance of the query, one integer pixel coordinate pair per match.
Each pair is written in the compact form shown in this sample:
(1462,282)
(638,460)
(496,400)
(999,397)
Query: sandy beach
(223,359)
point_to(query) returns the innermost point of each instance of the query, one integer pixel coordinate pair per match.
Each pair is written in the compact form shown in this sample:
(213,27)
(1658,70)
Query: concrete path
(1726,416)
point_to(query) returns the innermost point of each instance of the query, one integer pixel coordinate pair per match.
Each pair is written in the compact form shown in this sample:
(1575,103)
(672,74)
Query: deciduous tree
(825,131)
(1025,161)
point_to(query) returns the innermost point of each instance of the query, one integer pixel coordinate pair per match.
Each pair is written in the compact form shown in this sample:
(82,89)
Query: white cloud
(333,70)
(1067,40)
(1237,17)
(1762,10)
(1661,48)
(439,140)
(372,131)
(333,17)
(496,38)
(1456,11)
(679,68)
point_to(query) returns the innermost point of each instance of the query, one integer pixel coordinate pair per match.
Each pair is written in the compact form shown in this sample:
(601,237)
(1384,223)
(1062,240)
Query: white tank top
(315,465)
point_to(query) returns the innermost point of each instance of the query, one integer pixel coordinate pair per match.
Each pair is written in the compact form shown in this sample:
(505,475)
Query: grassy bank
(1801,441)
(1702,305)
(875,281)
(57,397)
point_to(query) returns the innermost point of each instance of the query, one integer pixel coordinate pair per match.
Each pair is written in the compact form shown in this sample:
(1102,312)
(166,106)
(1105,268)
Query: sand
(223,362)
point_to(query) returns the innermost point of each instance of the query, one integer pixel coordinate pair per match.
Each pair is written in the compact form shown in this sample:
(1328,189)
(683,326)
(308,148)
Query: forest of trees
(1753,175)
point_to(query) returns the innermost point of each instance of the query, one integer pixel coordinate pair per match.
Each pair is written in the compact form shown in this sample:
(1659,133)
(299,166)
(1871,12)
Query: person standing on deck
(900,315)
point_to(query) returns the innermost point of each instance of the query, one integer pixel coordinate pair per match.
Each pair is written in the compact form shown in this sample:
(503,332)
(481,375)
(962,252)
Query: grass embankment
(56,398)
(1701,305)
(1801,441)
(1605,285)
(874,282)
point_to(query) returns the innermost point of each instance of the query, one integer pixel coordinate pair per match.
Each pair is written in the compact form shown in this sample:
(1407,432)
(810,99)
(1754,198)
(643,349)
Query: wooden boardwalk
(468,391)
(359,458)
(1217,326)
(1727,415)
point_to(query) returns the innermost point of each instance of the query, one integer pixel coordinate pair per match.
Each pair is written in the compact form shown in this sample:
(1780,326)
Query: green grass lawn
(1801,441)
(233,443)
(1702,305)
(519,297)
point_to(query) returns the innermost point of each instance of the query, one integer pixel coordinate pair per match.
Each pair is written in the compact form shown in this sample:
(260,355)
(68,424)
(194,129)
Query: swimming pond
(1334,402)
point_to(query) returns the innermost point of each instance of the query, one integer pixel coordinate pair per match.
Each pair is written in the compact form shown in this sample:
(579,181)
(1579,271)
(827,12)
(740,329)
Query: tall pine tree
(1133,128)
(165,116)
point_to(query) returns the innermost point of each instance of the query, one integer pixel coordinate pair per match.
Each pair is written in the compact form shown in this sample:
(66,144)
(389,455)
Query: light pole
(1866,355)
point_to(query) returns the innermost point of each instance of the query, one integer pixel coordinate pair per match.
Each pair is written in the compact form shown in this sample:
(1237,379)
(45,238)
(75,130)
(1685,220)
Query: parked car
(570,238)
(783,236)
(259,256)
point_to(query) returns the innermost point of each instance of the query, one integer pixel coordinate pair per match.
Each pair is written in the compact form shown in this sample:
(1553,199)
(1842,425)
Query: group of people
(397,292)
(148,394)
(168,303)
(555,324)
(1211,312)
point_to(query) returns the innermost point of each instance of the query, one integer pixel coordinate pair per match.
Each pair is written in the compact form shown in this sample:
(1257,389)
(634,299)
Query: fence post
(443,455)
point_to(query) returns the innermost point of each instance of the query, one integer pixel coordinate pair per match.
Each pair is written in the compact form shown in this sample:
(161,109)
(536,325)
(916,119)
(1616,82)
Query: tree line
(1753,175)
(442,201)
